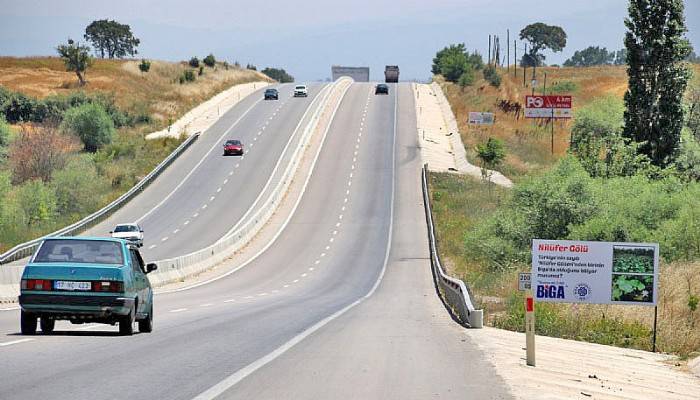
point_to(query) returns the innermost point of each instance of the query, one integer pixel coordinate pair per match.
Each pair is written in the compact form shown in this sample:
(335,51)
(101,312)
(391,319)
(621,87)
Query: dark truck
(391,73)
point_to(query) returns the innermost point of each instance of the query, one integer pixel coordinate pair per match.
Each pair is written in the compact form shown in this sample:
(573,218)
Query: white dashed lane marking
(177,310)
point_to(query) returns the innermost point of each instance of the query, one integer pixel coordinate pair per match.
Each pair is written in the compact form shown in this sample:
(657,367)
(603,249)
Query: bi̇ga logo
(550,292)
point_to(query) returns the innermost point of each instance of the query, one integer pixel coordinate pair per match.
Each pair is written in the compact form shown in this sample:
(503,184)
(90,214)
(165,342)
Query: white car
(130,232)
(300,91)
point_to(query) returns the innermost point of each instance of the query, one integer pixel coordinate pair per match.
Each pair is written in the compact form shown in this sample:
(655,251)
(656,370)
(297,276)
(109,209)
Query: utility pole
(524,67)
(544,87)
(488,60)
(515,58)
(507,51)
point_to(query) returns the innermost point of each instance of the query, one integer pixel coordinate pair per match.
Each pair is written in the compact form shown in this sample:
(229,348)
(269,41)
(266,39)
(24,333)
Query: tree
(590,56)
(491,154)
(621,57)
(467,77)
(38,151)
(145,65)
(76,57)
(656,48)
(91,123)
(446,52)
(4,138)
(542,36)
(596,140)
(209,61)
(251,67)
(194,62)
(111,38)
(278,74)
(693,58)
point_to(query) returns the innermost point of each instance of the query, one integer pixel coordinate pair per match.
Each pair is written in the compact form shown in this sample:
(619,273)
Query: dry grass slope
(528,141)
(157,92)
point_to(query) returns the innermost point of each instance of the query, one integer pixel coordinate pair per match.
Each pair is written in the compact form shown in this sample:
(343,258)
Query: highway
(203,194)
(342,304)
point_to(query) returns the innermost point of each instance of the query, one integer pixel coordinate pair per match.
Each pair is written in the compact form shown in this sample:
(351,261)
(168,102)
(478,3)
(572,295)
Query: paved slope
(330,255)
(203,194)
(399,343)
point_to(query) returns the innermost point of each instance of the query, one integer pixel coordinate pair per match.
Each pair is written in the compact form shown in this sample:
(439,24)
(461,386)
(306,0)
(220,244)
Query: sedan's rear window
(80,251)
(126,228)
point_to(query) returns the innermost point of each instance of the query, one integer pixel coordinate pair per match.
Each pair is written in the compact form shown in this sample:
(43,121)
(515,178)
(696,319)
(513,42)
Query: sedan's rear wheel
(47,325)
(126,324)
(146,324)
(28,323)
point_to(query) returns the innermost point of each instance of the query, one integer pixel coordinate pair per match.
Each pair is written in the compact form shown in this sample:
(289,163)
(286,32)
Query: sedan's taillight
(36,284)
(107,286)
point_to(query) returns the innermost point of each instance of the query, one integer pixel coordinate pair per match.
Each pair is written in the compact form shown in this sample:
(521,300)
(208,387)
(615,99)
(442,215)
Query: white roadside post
(530,328)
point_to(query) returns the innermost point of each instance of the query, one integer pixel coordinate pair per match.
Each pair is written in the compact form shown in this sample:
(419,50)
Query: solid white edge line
(206,156)
(286,222)
(295,133)
(15,342)
(244,372)
(10,308)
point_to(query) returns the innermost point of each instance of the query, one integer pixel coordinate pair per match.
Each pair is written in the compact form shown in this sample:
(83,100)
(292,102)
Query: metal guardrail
(455,292)
(170,270)
(27,249)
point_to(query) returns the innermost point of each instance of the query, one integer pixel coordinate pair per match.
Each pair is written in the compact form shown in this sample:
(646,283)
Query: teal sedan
(84,280)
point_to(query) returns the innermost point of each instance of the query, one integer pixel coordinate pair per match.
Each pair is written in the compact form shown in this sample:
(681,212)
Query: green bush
(278,74)
(78,187)
(145,65)
(187,76)
(38,201)
(563,87)
(91,123)
(201,70)
(194,62)
(20,108)
(209,61)
(491,76)
(467,77)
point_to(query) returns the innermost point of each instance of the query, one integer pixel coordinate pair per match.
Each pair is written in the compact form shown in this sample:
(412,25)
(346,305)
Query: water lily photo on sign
(633,274)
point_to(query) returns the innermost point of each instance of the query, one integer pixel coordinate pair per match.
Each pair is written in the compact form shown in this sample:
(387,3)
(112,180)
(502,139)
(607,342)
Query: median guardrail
(178,268)
(454,292)
(27,249)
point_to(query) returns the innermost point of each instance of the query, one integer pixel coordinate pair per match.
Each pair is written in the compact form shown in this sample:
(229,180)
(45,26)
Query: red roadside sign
(548,106)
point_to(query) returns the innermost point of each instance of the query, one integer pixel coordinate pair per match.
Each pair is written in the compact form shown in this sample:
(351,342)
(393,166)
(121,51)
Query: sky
(306,37)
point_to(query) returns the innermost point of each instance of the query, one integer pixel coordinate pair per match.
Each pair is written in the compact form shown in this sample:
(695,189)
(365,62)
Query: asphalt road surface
(341,306)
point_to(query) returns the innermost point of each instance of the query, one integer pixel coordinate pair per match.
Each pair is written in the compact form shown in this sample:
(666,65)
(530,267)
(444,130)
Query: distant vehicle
(233,147)
(300,91)
(85,280)
(381,88)
(391,73)
(272,94)
(129,232)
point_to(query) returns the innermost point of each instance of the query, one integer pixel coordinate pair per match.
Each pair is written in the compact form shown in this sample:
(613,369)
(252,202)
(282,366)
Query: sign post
(530,329)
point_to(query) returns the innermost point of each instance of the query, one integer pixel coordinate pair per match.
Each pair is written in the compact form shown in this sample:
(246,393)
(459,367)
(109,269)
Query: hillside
(157,93)
(528,141)
(41,191)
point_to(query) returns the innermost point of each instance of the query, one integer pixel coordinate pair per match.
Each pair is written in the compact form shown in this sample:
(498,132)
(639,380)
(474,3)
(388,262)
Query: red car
(233,147)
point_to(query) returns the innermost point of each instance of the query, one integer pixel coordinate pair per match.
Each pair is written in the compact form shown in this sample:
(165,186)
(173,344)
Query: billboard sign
(548,106)
(566,271)
(481,118)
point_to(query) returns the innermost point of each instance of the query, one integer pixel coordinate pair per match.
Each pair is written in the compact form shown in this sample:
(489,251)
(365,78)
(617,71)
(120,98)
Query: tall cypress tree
(656,47)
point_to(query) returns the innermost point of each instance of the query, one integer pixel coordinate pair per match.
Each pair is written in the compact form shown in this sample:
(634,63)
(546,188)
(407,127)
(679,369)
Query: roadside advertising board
(548,107)
(566,271)
(481,118)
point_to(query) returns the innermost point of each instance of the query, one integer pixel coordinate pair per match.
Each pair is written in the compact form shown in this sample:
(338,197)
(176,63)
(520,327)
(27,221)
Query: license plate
(71,285)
